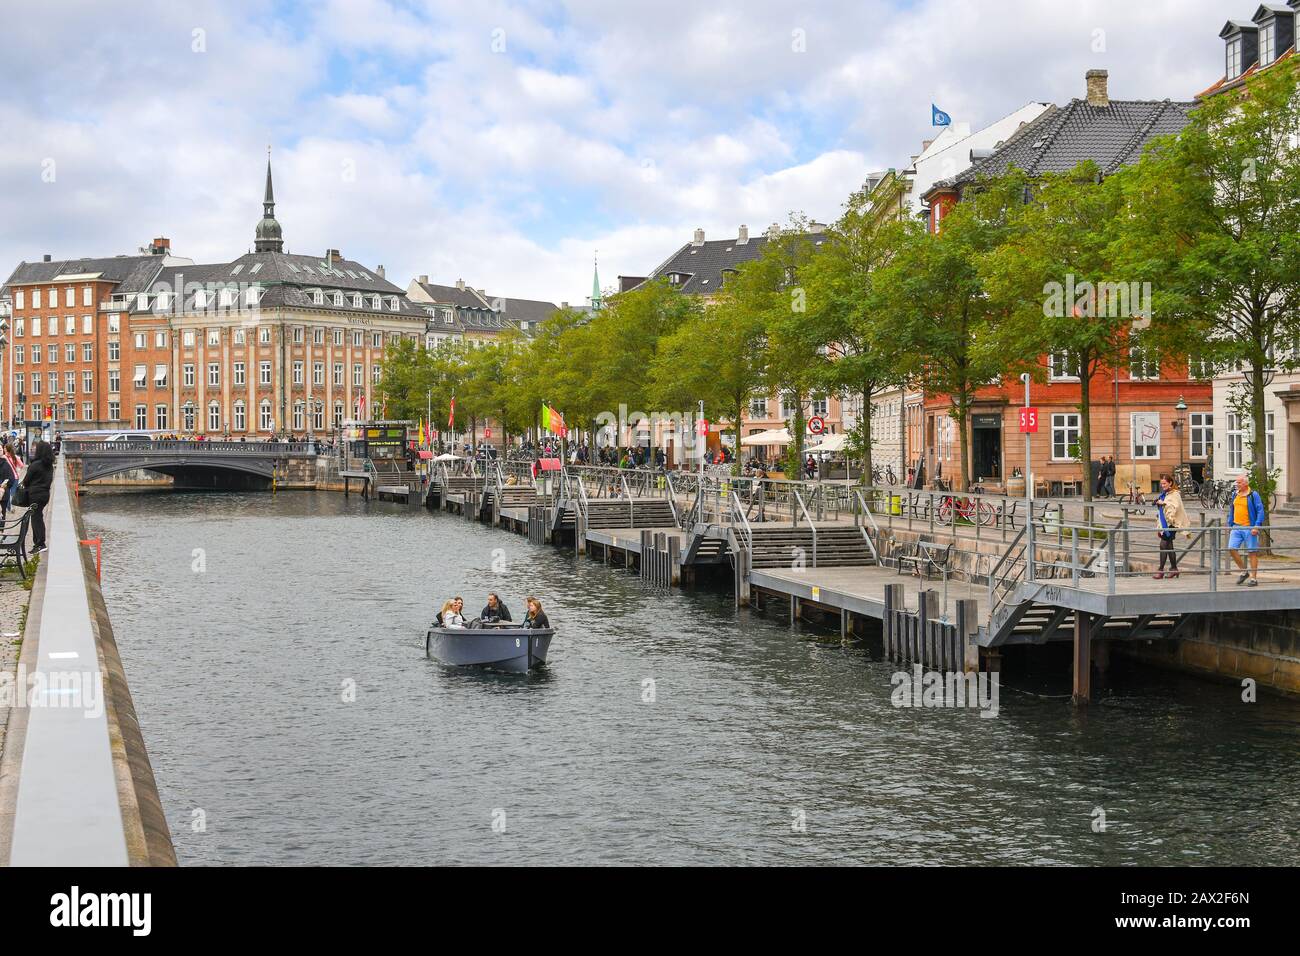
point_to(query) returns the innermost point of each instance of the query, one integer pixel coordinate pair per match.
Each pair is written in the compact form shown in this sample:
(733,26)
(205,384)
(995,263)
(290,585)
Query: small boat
(514,649)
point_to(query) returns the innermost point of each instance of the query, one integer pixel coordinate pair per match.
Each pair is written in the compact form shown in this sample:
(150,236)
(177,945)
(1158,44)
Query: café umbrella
(777,436)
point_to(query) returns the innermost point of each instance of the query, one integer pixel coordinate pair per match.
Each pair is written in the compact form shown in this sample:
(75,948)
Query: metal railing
(258,448)
(811,524)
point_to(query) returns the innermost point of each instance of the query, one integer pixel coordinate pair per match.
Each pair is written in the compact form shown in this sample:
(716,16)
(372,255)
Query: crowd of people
(494,612)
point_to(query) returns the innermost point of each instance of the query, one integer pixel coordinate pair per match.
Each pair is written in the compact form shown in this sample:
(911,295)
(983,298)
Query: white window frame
(1067,431)
(1200,434)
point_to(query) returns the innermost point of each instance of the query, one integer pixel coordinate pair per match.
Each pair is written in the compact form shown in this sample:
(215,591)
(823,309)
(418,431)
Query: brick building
(268,343)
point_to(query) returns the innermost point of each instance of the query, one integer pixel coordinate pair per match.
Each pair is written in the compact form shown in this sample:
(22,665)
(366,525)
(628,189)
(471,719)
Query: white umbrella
(831,443)
(777,436)
(448,457)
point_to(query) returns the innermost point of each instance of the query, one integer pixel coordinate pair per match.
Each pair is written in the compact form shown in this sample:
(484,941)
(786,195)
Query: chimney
(699,238)
(1098,95)
(460,284)
(379,271)
(773,231)
(744,236)
(564,305)
(161,246)
(424,280)
(333,255)
(47,257)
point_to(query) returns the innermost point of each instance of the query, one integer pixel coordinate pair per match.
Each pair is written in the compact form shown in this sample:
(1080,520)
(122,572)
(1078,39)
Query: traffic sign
(816,425)
(1029,420)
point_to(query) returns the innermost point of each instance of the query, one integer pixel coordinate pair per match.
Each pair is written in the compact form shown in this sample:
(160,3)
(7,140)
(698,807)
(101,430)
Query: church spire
(595,284)
(268,237)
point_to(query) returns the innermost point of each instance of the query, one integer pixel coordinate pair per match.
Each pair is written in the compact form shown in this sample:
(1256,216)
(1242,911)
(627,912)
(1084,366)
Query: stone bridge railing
(257,449)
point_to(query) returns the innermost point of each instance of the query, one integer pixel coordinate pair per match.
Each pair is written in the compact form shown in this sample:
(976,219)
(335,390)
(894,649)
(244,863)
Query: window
(1145,429)
(356,301)
(758,408)
(54,355)
(241,417)
(376,373)
(162,302)
(70,324)
(253,296)
(338,414)
(264,373)
(87,352)
(374,303)
(821,407)
(160,417)
(318,373)
(36,384)
(318,297)
(87,294)
(114,351)
(317,336)
(1065,436)
(114,411)
(338,374)
(114,323)
(318,416)
(789,407)
(1236,442)
(214,374)
(70,352)
(187,339)
(1233,65)
(188,417)
(36,325)
(377,340)
(393,304)
(338,336)
(20,328)
(297,335)
(70,296)
(160,375)
(20,383)
(338,299)
(297,373)
(239,374)
(1269,440)
(87,382)
(87,411)
(18,299)
(37,352)
(239,337)
(1143,365)
(70,383)
(188,372)
(139,376)
(214,417)
(1201,434)
(142,417)
(87,325)
(114,380)
(264,335)
(1061,366)
(1267,30)
(19,354)
(227,298)
(357,341)
(214,337)
(358,375)
(52,298)
(264,415)
(160,340)
(200,302)
(299,421)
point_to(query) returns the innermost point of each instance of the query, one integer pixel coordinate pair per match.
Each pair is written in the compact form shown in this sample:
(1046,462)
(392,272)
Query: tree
(863,353)
(1057,277)
(932,296)
(1213,222)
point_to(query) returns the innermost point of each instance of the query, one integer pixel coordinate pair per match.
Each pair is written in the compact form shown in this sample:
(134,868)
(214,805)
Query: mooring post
(893,598)
(1082,658)
(844,624)
(794,609)
(674,560)
(967,635)
(930,602)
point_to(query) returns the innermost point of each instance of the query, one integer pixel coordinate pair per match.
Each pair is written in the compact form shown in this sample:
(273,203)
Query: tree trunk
(963,416)
(866,435)
(798,428)
(736,465)
(1085,424)
(1259,446)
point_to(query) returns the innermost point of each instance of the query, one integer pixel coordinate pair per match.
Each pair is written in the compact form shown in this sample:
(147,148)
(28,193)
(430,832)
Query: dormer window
(338,298)
(1267,35)
(392,303)
(318,297)
(375,303)
(1234,57)
(357,301)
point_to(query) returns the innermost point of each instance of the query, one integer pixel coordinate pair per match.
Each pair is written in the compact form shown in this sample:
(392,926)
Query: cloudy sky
(508,142)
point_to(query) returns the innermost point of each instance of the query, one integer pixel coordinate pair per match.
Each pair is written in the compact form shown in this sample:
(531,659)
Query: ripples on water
(238,675)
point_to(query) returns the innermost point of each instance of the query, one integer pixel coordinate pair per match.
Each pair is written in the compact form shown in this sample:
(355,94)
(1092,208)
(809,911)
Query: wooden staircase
(617,513)
(783,546)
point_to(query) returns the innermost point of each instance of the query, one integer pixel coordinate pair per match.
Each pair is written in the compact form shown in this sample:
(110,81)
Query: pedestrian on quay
(1108,491)
(1172,518)
(1245,518)
(37,482)
(15,466)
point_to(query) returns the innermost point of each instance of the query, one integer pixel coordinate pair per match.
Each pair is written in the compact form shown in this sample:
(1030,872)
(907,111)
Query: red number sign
(1029,421)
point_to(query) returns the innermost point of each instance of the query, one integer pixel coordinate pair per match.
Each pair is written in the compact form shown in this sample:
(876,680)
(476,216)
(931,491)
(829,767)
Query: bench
(925,557)
(13,544)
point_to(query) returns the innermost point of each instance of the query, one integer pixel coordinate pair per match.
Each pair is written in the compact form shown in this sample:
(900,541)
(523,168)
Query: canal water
(274,647)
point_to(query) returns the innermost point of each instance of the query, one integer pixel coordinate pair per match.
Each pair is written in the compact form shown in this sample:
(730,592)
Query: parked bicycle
(881,477)
(953,508)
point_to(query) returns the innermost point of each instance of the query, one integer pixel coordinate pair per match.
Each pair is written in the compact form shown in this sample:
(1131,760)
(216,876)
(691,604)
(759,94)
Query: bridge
(192,464)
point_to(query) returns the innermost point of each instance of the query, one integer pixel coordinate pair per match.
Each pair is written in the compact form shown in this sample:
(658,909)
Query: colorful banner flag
(451,418)
(553,421)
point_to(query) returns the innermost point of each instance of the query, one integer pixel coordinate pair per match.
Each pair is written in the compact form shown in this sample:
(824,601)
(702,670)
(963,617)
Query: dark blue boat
(514,649)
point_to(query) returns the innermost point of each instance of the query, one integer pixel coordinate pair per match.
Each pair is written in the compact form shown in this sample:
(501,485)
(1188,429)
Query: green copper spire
(595,285)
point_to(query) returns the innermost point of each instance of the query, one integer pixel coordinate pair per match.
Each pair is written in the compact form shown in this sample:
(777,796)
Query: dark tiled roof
(1111,136)
(527,310)
(465,298)
(132,273)
(702,266)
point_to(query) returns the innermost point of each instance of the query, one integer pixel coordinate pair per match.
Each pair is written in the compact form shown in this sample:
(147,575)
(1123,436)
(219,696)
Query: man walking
(1245,518)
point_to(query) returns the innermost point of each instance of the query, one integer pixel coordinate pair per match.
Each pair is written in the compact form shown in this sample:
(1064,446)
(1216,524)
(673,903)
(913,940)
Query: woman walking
(37,482)
(1172,518)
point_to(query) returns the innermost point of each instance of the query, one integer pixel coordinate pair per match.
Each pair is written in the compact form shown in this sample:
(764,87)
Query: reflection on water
(274,646)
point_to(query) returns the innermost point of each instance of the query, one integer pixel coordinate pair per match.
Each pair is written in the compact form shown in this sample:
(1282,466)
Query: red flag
(451,419)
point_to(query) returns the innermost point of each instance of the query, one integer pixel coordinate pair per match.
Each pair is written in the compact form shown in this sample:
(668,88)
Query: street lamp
(1179,423)
(188,421)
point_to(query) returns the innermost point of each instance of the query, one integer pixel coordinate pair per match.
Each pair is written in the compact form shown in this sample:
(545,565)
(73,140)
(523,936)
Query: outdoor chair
(13,543)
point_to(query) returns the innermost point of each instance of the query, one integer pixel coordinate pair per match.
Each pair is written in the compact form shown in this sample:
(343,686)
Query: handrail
(739,512)
(672,499)
(627,493)
(811,524)
(875,554)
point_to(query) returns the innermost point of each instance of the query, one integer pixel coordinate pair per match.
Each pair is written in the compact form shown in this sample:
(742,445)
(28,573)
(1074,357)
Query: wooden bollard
(674,561)
(967,631)
(893,601)
(927,614)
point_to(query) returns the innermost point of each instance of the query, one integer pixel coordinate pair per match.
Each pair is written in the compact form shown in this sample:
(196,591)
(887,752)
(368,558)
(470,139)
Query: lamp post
(188,421)
(1179,426)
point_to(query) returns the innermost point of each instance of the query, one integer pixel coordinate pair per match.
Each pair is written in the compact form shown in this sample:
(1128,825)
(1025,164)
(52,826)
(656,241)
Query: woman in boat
(451,614)
(536,616)
(495,612)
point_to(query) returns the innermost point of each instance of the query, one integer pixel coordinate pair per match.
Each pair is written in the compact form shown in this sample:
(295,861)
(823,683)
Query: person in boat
(495,612)
(452,613)
(536,616)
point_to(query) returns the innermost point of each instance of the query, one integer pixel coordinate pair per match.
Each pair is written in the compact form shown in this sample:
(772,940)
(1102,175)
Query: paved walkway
(66,810)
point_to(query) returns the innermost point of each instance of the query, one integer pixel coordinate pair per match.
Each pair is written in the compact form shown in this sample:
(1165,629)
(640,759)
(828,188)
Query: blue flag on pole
(938,117)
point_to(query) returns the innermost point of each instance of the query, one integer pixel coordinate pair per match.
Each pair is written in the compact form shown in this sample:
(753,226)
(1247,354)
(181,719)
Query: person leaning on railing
(1245,518)
(1172,518)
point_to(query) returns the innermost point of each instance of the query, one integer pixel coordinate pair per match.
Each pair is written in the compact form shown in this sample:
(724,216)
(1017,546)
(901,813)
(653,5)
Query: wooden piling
(1082,658)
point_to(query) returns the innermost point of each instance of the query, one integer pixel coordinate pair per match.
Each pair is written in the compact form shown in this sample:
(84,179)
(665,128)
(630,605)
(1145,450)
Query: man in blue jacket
(1245,518)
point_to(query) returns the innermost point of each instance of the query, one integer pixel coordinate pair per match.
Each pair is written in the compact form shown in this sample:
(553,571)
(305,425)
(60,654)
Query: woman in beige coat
(1171,519)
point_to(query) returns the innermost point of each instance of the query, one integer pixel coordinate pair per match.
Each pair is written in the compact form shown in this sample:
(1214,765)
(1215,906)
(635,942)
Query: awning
(777,436)
(425,455)
(448,457)
(549,464)
(831,443)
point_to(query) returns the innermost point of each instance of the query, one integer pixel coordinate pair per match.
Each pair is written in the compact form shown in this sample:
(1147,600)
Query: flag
(553,421)
(451,418)
(938,117)
(546,418)
(421,433)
